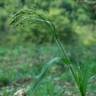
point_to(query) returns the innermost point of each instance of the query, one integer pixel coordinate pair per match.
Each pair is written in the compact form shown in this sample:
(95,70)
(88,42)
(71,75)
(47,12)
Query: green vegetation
(48,47)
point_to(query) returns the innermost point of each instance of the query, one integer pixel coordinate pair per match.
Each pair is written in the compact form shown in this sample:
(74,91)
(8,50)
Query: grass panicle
(80,76)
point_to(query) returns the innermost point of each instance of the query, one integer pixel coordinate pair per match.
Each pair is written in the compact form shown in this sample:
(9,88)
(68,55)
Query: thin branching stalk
(33,17)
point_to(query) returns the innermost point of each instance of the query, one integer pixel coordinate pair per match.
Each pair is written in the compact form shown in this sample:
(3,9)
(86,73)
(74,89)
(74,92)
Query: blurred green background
(29,46)
(74,21)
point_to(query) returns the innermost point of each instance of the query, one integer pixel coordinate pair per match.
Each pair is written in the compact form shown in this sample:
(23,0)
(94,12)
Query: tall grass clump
(80,74)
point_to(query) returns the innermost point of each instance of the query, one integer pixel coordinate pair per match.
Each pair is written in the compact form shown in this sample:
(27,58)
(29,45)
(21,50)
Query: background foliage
(30,45)
(74,20)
